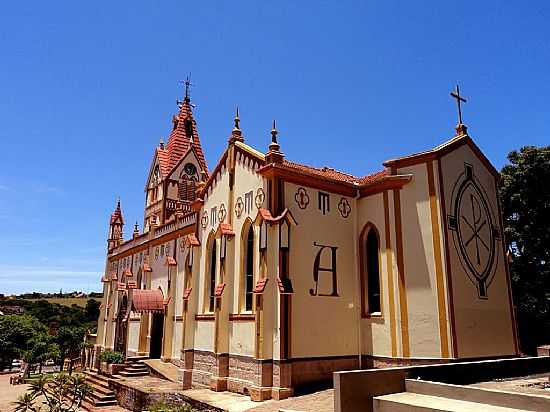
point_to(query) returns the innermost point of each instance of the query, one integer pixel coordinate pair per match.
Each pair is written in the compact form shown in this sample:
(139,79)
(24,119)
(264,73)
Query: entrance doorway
(157,325)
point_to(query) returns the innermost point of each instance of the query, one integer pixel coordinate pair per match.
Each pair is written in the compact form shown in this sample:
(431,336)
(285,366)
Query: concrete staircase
(102,395)
(135,367)
(422,396)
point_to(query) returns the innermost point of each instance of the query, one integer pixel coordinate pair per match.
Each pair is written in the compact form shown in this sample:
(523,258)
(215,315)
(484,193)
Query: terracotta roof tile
(148,300)
(226,229)
(117,214)
(183,137)
(192,240)
(333,174)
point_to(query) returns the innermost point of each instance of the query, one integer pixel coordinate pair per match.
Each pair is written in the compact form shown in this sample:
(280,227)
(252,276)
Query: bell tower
(116,226)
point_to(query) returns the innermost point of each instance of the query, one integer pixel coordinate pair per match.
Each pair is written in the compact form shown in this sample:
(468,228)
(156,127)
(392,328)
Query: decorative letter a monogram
(317,269)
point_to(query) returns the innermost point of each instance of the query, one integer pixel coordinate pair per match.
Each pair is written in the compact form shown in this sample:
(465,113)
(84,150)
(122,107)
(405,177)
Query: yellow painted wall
(419,264)
(322,325)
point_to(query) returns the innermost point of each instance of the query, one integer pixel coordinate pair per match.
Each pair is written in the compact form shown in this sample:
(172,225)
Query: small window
(249,269)
(212,285)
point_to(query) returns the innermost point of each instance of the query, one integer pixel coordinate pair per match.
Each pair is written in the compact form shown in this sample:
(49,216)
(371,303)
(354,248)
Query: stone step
(414,402)
(132,359)
(127,373)
(100,389)
(97,381)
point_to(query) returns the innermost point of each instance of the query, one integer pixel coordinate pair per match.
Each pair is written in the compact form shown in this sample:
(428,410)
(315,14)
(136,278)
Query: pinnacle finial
(274,133)
(161,143)
(237,120)
(187,83)
(118,202)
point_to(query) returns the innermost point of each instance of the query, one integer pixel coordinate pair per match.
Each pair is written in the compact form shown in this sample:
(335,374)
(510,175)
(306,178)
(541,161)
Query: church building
(261,275)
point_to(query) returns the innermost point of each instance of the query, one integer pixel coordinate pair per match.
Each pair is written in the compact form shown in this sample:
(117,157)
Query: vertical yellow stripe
(436,238)
(389,269)
(404,312)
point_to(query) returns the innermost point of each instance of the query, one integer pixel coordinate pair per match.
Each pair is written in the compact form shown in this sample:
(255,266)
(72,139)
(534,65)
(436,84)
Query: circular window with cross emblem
(474,233)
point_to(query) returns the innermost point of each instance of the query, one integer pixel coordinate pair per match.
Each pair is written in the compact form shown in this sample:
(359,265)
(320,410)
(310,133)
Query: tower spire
(116,225)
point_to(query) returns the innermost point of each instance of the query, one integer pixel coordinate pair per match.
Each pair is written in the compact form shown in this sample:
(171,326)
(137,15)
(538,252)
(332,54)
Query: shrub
(111,357)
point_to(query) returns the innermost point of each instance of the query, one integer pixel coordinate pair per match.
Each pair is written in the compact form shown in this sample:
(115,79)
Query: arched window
(249,268)
(212,282)
(373,272)
(370,271)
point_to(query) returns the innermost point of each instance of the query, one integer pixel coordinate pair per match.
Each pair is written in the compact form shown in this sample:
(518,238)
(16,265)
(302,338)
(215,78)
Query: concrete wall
(354,390)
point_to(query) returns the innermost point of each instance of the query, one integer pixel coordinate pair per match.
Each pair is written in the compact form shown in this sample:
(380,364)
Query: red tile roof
(333,174)
(148,301)
(132,284)
(182,139)
(117,214)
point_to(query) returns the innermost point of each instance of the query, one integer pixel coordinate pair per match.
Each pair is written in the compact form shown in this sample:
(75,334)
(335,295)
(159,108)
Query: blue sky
(87,90)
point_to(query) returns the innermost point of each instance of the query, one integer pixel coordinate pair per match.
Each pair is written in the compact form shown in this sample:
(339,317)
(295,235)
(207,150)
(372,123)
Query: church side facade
(264,275)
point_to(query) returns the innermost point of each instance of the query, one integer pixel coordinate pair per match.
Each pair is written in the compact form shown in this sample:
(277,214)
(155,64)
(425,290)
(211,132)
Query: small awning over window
(148,301)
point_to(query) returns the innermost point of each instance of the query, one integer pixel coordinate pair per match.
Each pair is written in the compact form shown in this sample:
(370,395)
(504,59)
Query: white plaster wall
(241,338)
(204,335)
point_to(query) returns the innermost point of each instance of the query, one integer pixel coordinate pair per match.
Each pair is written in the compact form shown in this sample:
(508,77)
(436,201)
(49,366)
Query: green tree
(92,310)
(525,198)
(41,348)
(16,331)
(69,339)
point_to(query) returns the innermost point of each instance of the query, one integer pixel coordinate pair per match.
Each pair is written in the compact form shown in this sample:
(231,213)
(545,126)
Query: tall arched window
(372,272)
(249,269)
(212,282)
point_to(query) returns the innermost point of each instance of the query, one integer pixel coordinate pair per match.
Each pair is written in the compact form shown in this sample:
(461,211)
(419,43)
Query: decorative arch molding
(371,300)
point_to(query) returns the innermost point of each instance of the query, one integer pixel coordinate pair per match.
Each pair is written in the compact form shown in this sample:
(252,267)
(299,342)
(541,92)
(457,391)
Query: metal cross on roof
(459,100)
(188,84)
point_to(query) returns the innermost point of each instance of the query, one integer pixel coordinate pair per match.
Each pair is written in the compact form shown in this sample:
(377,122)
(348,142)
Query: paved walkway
(9,393)
(322,401)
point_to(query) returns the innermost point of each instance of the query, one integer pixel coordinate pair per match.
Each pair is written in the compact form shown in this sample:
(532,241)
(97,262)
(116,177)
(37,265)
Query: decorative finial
(237,120)
(274,133)
(118,202)
(274,154)
(187,83)
(460,128)
(161,143)
(136,230)
(236,133)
